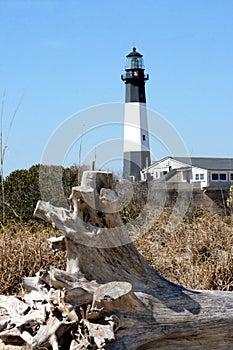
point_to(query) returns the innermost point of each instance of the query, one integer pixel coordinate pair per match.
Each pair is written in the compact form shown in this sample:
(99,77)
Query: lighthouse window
(144,137)
(134,63)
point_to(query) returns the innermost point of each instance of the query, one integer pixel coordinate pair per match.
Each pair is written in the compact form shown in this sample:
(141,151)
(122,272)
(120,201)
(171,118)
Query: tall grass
(23,251)
(197,254)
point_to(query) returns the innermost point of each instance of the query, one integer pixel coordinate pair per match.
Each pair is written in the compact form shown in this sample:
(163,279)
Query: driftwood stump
(109,297)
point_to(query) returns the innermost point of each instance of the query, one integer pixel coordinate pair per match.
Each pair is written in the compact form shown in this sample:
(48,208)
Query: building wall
(200,175)
(220,178)
(159,169)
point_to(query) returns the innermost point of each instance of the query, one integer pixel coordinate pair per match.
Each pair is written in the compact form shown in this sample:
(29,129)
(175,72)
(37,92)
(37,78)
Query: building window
(144,137)
(219,177)
(231,177)
(223,177)
(199,177)
(214,177)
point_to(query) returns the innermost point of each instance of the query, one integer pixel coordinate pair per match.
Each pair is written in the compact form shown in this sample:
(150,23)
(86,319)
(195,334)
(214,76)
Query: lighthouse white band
(136,137)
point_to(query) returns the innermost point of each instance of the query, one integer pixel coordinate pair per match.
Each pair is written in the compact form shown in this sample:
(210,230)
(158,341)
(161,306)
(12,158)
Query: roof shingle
(208,163)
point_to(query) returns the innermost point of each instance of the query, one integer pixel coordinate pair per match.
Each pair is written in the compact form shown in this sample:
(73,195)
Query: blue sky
(62,57)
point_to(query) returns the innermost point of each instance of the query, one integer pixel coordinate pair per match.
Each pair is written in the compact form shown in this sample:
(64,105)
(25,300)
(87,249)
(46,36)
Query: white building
(201,172)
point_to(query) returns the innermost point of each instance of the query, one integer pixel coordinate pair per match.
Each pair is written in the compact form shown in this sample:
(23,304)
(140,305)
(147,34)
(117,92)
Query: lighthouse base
(134,162)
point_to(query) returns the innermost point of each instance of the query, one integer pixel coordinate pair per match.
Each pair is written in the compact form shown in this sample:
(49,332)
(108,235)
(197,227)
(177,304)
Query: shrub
(23,188)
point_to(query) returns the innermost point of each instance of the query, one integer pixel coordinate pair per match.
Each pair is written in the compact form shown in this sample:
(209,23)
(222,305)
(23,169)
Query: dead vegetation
(23,252)
(197,254)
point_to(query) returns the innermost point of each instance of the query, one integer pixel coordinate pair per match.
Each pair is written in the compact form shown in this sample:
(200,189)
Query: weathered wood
(56,243)
(30,283)
(109,297)
(4,321)
(46,333)
(101,333)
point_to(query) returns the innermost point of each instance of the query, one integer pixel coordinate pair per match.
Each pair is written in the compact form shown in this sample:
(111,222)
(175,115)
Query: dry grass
(23,251)
(197,254)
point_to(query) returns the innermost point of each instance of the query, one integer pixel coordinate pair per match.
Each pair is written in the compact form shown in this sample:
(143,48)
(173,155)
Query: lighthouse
(136,136)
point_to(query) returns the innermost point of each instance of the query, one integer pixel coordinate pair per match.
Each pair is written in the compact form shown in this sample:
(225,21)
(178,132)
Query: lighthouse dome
(134,60)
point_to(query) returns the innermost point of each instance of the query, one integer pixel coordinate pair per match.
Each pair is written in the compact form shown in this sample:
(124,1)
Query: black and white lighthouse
(136,136)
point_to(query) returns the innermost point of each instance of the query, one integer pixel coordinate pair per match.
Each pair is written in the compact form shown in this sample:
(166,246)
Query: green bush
(23,188)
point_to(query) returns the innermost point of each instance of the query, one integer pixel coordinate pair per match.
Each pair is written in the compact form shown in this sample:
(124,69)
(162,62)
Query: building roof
(208,163)
(134,53)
